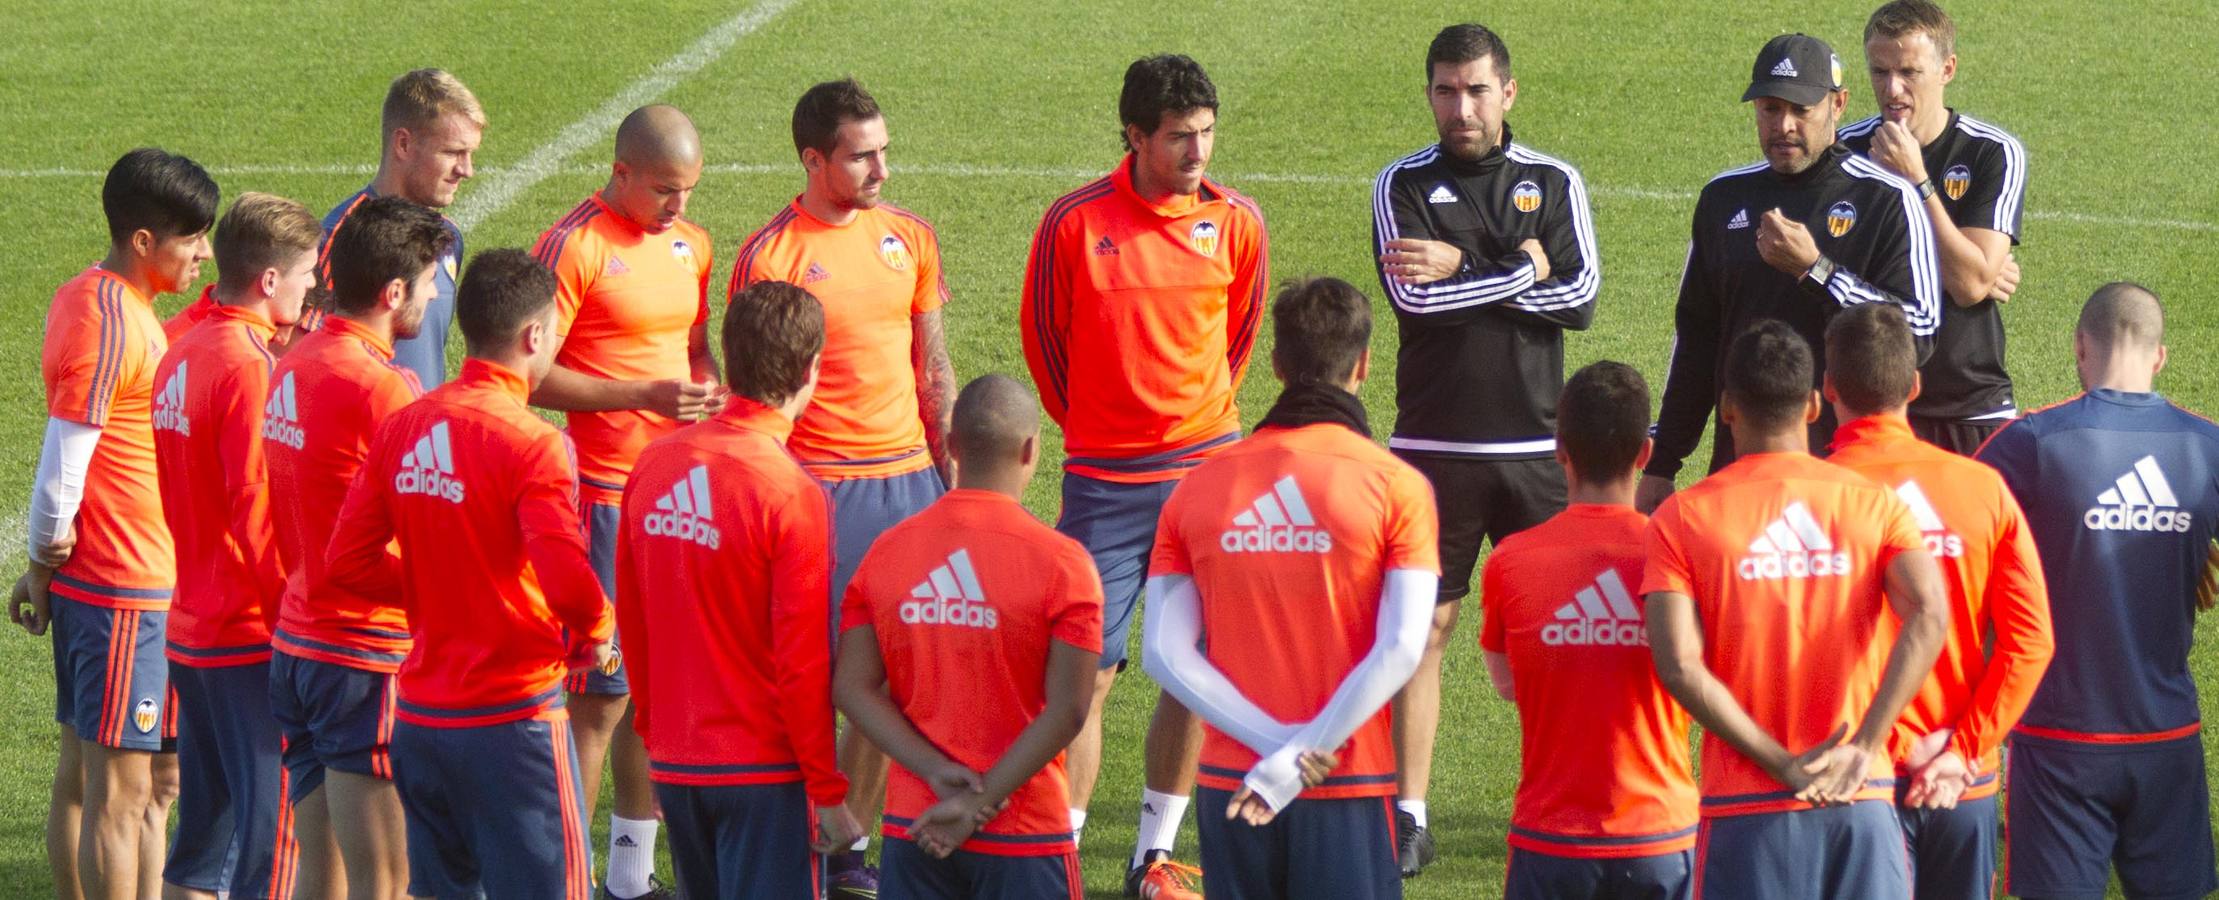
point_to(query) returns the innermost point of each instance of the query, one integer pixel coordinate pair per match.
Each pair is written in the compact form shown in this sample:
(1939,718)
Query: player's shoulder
(1417,164)
(780,223)
(1877,181)
(344,208)
(1093,196)
(1241,203)
(574,231)
(1983,132)
(903,219)
(1859,134)
(1733,185)
(1542,164)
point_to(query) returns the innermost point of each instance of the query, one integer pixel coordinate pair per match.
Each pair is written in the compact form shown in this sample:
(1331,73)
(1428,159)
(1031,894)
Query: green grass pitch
(998,107)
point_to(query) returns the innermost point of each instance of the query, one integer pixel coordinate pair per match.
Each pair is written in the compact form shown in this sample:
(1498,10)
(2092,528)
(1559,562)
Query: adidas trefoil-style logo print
(1105,247)
(281,416)
(2140,500)
(1600,615)
(1739,221)
(1277,522)
(1786,69)
(615,267)
(685,513)
(950,596)
(169,405)
(1941,542)
(429,469)
(1792,546)
(1441,194)
(815,273)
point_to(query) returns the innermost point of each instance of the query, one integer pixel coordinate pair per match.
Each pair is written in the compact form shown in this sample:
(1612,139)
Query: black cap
(1797,68)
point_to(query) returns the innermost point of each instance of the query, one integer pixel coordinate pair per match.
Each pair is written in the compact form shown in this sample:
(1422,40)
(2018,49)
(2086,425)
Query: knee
(162,783)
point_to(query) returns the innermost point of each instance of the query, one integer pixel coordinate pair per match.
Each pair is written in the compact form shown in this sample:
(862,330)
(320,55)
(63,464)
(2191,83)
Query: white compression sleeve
(59,486)
(1171,632)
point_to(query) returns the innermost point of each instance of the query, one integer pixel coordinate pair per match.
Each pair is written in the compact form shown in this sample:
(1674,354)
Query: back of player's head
(1320,329)
(501,292)
(994,416)
(161,192)
(263,232)
(1900,19)
(2122,317)
(1870,358)
(1602,420)
(1468,42)
(1165,83)
(823,108)
(386,239)
(419,98)
(773,330)
(1768,374)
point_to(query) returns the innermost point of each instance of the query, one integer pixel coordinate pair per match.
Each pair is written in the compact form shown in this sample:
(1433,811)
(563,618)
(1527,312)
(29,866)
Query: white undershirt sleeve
(59,486)
(1171,634)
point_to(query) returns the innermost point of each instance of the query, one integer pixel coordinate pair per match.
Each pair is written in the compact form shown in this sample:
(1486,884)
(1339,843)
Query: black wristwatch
(1926,189)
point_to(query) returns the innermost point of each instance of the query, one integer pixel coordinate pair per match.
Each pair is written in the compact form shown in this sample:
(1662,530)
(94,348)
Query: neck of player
(814,200)
(243,297)
(1149,190)
(2125,373)
(1615,492)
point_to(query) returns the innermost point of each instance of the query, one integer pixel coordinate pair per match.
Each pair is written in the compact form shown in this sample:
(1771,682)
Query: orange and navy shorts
(111,679)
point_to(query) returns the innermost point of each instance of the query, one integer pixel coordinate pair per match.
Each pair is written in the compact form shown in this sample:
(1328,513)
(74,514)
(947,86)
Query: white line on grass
(967,170)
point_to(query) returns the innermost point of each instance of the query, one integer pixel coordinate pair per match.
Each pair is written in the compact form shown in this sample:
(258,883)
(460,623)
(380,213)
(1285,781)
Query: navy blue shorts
(1116,523)
(334,718)
(1321,849)
(494,808)
(863,508)
(237,831)
(111,680)
(2077,811)
(1953,851)
(741,842)
(1852,852)
(1541,876)
(906,872)
(603,521)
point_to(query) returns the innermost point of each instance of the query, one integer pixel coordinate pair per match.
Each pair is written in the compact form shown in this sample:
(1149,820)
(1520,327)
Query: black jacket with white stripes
(1869,222)
(1980,171)
(1482,357)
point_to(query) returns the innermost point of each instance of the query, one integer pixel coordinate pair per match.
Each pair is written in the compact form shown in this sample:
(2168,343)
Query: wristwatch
(1821,271)
(1926,189)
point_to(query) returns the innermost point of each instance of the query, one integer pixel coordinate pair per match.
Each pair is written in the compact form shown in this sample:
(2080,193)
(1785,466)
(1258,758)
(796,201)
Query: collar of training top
(1829,159)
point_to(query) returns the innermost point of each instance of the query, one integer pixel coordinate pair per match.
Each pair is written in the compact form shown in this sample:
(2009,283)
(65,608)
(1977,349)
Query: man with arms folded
(972,637)
(1945,746)
(331,678)
(501,600)
(1971,175)
(1766,595)
(721,568)
(1302,558)
(2122,490)
(102,563)
(1606,799)
(632,301)
(208,416)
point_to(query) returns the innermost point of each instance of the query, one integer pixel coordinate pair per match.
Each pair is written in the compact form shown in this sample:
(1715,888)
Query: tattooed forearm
(928,353)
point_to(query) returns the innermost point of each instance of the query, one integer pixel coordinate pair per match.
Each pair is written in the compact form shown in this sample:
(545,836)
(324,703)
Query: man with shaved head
(632,302)
(974,577)
(2121,489)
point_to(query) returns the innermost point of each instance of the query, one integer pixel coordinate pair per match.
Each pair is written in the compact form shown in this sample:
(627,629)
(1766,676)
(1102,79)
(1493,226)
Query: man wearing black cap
(1811,229)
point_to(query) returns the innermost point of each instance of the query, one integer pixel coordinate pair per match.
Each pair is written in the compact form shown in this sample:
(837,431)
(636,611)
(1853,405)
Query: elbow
(1155,660)
(1066,719)
(1401,660)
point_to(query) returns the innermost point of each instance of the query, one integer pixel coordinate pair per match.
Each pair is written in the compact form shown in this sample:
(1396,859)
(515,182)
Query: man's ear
(1813,407)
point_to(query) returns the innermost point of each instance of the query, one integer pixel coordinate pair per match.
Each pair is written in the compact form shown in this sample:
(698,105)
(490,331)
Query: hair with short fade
(501,292)
(1870,357)
(772,330)
(993,417)
(1320,327)
(161,192)
(2122,315)
(1900,19)
(1161,84)
(421,97)
(1468,42)
(383,240)
(263,232)
(1602,419)
(823,108)
(1768,374)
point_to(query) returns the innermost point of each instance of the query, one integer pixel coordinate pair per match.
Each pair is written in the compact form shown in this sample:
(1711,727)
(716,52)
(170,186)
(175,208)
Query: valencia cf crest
(447,263)
(1840,218)
(681,251)
(1956,181)
(146,715)
(1526,196)
(1204,238)
(894,252)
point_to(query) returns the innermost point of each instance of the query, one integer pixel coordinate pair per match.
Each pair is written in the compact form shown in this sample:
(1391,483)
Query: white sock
(1078,824)
(861,845)
(631,856)
(1416,809)
(1159,823)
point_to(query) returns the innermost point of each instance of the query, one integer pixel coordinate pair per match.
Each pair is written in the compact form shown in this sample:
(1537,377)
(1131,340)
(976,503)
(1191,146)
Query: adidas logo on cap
(1940,541)
(429,469)
(2140,500)
(1277,522)
(1786,69)
(281,416)
(684,513)
(169,405)
(1600,615)
(950,596)
(1792,546)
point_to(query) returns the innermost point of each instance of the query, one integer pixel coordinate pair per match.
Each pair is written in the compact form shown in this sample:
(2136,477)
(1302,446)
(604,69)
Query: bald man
(632,278)
(2121,490)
